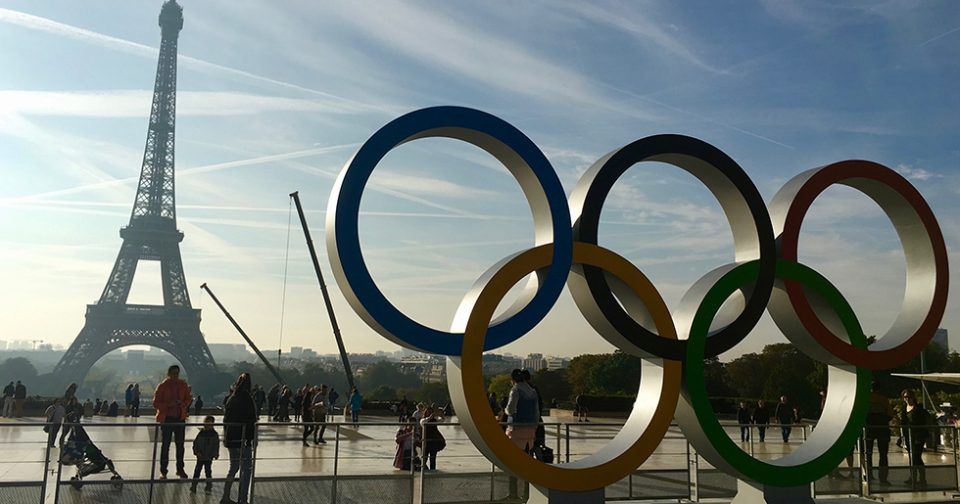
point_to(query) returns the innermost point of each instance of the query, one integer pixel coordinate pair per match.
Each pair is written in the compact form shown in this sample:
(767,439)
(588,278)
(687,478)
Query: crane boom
(323,289)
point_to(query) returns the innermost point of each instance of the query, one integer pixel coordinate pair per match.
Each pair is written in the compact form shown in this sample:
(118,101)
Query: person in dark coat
(915,422)
(878,434)
(744,419)
(240,420)
(272,398)
(198,406)
(306,413)
(784,415)
(206,447)
(761,417)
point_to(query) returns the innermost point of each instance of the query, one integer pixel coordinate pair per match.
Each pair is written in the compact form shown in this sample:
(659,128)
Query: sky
(276,96)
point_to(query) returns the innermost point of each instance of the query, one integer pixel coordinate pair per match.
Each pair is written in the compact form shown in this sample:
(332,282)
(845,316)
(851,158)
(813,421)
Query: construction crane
(240,330)
(323,289)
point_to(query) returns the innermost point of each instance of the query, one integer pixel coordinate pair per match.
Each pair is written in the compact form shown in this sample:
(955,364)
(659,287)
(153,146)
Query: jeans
(8,406)
(744,433)
(761,431)
(318,431)
(172,427)
(430,459)
(207,467)
(240,460)
(883,446)
(355,415)
(785,431)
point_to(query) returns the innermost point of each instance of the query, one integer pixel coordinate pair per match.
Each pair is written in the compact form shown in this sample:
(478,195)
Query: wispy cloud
(33,22)
(915,173)
(136,103)
(639,24)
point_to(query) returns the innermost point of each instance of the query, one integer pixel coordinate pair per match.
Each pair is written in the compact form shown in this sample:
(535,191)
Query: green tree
(500,385)
(386,373)
(17,368)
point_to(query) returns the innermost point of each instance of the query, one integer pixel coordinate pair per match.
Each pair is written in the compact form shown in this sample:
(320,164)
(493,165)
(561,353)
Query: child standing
(206,447)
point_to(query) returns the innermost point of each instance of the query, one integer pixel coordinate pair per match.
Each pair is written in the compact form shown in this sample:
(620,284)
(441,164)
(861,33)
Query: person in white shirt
(54,415)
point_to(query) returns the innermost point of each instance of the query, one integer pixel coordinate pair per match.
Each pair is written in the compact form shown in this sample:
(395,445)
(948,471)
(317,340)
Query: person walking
(745,420)
(580,408)
(272,399)
(761,417)
(522,410)
(198,405)
(172,401)
(19,398)
(915,422)
(240,419)
(206,447)
(54,415)
(433,440)
(73,414)
(298,403)
(320,410)
(8,400)
(283,405)
(878,434)
(136,401)
(356,404)
(259,397)
(128,401)
(306,405)
(784,415)
(87,409)
(332,397)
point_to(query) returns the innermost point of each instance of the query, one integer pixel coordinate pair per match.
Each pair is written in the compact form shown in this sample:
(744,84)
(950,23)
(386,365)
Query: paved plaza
(366,452)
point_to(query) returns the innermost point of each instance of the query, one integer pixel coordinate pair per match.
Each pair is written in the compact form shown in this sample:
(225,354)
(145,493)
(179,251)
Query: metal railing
(357,463)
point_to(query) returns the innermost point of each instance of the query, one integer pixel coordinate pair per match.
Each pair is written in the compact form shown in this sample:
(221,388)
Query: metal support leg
(153,462)
(46,466)
(336,460)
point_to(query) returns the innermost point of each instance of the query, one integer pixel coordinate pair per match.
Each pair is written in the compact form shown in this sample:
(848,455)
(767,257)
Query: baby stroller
(81,452)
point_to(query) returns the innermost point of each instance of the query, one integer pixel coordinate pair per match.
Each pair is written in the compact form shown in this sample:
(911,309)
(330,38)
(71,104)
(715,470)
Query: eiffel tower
(151,235)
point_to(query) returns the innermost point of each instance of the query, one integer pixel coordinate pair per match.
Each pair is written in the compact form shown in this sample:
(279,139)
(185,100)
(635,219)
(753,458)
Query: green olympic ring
(828,444)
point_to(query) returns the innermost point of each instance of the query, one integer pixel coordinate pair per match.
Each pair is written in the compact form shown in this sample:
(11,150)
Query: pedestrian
(54,415)
(407,441)
(19,398)
(206,447)
(283,405)
(298,404)
(761,417)
(240,418)
(198,405)
(356,404)
(915,422)
(320,410)
(259,397)
(433,440)
(272,399)
(98,407)
(580,408)
(332,400)
(172,403)
(306,405)
(403,409)
(114,409)
(744,419)
(522,410)
(87,409)
(784,415)
(136,400)
(71,417)
(128,400)
(494,404)
(8,400)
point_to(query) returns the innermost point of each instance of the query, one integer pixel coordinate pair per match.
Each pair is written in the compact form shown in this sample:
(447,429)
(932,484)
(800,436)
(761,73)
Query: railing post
(336,462)
(567,454)
(956,463)
(56,491)
(423,462)
(693,474)
(153,461)
(253,459)
(557,458)
(750,438)
(46,465)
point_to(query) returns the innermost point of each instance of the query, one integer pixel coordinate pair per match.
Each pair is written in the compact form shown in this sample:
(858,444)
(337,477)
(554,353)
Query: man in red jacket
(172,402)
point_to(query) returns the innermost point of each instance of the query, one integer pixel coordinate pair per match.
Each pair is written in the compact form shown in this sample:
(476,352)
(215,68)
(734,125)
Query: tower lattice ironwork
(151,235)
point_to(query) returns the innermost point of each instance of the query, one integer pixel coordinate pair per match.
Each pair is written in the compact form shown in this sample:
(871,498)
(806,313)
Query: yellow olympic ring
(641,433)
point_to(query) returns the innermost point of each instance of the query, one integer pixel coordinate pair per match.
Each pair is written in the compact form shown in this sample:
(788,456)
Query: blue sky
(276,96)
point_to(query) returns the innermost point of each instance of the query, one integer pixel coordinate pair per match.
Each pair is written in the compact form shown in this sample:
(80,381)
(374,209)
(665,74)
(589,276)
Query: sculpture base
(547,496)
(752,493)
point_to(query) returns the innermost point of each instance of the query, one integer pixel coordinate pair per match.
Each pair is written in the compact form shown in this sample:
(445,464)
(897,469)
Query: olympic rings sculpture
(624,307)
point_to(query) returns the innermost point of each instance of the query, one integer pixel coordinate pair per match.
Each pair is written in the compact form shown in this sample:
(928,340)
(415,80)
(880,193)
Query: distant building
(555,363)
(535,362)
(940,338)
(229,352)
